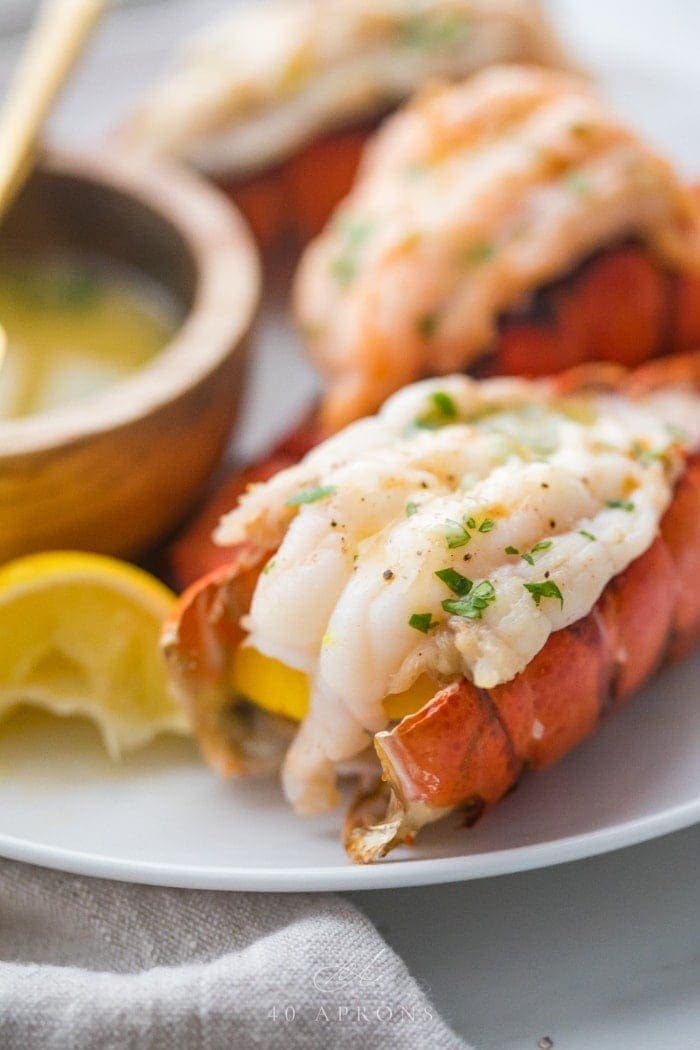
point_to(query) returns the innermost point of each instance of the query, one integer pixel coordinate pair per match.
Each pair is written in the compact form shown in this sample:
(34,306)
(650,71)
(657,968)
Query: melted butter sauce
(75,325)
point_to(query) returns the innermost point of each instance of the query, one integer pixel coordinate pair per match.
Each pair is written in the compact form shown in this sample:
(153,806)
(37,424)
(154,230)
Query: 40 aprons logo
(341,975)
(349,994)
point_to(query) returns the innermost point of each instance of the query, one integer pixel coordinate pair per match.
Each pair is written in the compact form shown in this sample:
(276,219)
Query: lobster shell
(468,746)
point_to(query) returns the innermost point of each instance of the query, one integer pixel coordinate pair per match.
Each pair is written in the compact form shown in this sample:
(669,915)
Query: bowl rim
(225,300)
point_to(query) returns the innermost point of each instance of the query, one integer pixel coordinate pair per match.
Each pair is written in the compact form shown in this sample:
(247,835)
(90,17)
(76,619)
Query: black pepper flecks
(388,574)
(552,523)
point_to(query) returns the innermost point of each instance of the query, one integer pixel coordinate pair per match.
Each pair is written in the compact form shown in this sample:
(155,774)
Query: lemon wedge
(79,636)
(281,690)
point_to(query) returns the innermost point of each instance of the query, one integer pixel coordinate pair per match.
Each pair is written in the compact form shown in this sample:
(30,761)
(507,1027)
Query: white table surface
(601,953)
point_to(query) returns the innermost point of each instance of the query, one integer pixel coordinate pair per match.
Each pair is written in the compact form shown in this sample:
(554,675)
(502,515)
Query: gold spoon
(55,42)
(60,30)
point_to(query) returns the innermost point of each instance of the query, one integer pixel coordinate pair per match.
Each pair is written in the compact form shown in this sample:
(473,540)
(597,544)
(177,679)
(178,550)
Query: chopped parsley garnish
(527,556)
(478,253)
(588,535)
(78,290)
(645,455)
(444,403)
(677,433)
(411,509)
(269,567)
(432,31)
(578,183)
(427,325)
(354,232)
(443,410)
(456,534)
(473,604)
(422,622)
(73,288)
(311,495)
(457,583)
(344,269)
(485,526)
(545,589)
(620,504)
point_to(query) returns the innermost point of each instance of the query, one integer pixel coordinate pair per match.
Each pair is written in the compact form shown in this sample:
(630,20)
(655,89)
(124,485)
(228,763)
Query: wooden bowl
(117,472)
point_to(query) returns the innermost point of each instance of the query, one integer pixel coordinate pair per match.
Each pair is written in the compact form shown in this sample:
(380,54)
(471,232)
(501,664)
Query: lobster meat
(619,307)
(282,128)
(467,745)
(509,224)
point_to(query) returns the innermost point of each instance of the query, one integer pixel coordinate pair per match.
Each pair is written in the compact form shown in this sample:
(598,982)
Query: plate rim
(391,874)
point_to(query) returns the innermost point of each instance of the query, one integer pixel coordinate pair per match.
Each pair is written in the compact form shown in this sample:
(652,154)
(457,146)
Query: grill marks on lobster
(575,321)
(474,199)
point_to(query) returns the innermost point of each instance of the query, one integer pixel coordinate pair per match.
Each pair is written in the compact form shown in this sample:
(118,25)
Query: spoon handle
(55,42)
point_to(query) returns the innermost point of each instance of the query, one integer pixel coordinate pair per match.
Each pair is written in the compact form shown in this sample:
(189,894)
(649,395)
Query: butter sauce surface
(75,325)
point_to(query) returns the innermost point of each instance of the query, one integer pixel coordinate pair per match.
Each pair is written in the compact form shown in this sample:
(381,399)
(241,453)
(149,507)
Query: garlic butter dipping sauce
(75,324)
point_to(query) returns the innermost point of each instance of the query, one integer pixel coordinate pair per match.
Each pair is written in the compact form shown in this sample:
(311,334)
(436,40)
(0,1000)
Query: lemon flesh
(79,636)
(281,690)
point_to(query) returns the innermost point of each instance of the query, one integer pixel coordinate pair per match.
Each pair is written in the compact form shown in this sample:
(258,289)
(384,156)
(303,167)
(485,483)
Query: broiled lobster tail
(467,747)
(619,308)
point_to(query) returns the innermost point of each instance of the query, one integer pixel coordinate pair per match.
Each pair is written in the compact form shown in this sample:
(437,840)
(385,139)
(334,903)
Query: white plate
(163,818)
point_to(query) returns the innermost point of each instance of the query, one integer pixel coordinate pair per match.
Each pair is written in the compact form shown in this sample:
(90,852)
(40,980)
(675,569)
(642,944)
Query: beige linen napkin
(87,963)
